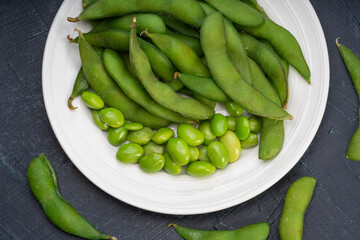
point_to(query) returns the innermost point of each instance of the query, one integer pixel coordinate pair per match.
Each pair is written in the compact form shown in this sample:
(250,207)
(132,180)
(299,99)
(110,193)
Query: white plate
(89,150)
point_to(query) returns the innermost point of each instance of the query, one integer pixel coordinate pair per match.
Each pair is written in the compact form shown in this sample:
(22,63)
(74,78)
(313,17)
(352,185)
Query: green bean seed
(162,135)
(98,122)
(255,124)
(133,126)
(233,109)
(142,136)
(170,166)
(194,154)
(250,141)
(218,125)
(205,128)
(242,127)
(152,147)
(92,100)
(178,150)
(200,169)
(232,143)
(297,200)
(191,135)
(112,116)
(203,154)
(231,120)
(152,162)
(218,154)
(117,136)
(130,153)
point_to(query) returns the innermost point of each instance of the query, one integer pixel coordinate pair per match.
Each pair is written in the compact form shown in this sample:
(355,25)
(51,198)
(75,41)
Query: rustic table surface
(25,132)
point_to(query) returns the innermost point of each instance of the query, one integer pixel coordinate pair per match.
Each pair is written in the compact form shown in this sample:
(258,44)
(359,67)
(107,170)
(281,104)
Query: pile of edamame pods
(146,64)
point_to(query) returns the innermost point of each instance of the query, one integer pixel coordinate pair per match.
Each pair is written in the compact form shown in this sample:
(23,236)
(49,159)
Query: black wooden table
(25,132)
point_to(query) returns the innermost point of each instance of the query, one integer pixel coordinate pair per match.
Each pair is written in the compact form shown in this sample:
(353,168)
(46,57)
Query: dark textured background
(333,214)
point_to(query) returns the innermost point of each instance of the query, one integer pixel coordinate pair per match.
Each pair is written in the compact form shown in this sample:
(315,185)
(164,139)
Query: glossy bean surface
(178,150)
(218,154)
(203,154)
(112,116)
(133,126)
(100,124)
(233,109)
(92,100)
(231,120)
(117,136)
(242,127)
(205,128)
(152,162)
(170,166)
(200,169)
(130,153)
(194,154)
(255,124)
(162,135)
(218,125)
(250,141)
(191,135)
(142,136)
(232,143)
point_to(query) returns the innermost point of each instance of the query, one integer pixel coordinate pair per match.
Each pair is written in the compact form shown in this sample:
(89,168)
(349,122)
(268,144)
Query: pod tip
(176,74)
(133,23)
(70,19)
(171,224)
(70,103)
(337,41)
(69,38)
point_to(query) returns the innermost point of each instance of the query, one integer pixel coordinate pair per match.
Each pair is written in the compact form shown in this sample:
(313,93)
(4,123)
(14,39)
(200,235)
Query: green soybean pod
(200,169)
(107,89)
(194,154)
(179,26)
(80,85)
(130,153)
(203,154)
(43,184)
(257,231)
(191,135)
(353,65)
(161,92)
(204,86)
(218,154)
(100,124)
(152,162)
(231,120)
(170,166)
(255,124)
(132,126)
(218,125)
(296,202)
(117,136)
(227,77)
(145,22)
(205,128)
(233,109)
(175,84)
(283,61)
(242,127)
(92,100)
(112,116)
(211,104)
(193,43)
(178,150)
(142,136)
(232,143)
(187,11)
(231,9)
(250,141)
(152,147)
(254,4)
(162,135)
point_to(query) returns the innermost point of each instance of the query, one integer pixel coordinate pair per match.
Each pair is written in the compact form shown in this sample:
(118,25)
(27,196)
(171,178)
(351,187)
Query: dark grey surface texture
(25,132)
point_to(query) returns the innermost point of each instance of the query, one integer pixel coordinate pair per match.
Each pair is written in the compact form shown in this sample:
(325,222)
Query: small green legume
(191,135)
(112,116)
(205,128)
(152,162)
(117,136)
(133,126)
(178,150)
(232,143)
(233,109)
(242,127)
(100,124)
(218,124)
(194,154)
(162,135)
(218,154)
(200,169)
(255,124)
(170,166)
(152,147)
(203,154)
(250,142)
(142,136)
(130,153)
(92,100)
(231,120)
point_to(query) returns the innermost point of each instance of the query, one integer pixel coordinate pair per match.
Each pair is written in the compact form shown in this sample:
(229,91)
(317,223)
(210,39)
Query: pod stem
(337,41)
(133,23)
(112,238)
(70,103)
(176,74)
(70,19)
(171,224)
(69,38)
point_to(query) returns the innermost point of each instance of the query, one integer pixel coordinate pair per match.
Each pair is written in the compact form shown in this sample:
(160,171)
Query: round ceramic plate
(89,150)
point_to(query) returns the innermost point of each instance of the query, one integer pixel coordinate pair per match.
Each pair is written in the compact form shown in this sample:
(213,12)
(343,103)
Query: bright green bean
(178,150)
(218,154)
(250,141)
(162,135)
(152,147)
(112,116)
(117,136)
(43,184)
(133,126)
(92,100)
(203,154)
(142,136)
(232,143)
(191,135)
(255,124)
(98,122)
(194,154)
(233,109)
(231,120)
(205,128)
(218,125)
(296,202)
(130,153)
(200,169)
(170,166)
(152,162)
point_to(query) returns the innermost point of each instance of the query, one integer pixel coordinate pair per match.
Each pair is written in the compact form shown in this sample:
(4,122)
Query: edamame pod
(207,102)
(134,90)
(227,77)
(296,202)
(43,184)
(353,65)
(161,92)
(204,86)
(257,231)
(238,12)
(193,43)
(107,89)
(179,26)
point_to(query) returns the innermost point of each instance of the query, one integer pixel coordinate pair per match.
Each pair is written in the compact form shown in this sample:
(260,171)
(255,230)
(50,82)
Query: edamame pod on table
(43,184)
(296,202)
(116,67)
(353,65)
(257,231)
(227,77)
(161,92)
(107,89)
